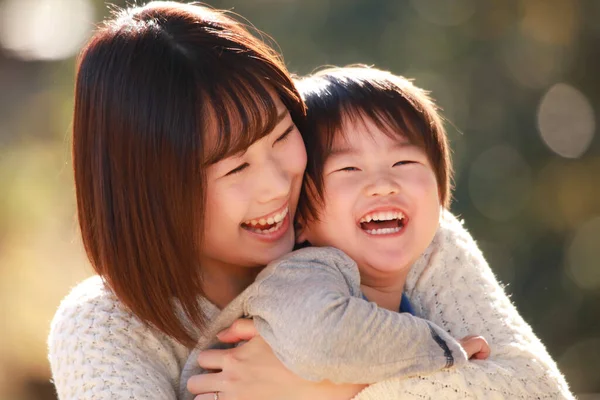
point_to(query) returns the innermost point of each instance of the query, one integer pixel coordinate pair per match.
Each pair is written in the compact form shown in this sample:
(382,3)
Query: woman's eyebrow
(281,116)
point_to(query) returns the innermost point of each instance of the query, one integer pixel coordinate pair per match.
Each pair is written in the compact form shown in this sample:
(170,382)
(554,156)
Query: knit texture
(309,308)
(100,350)
(453,286)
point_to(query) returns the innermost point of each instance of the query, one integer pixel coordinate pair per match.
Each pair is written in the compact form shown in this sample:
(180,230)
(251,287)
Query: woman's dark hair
(335,95)
(151,84)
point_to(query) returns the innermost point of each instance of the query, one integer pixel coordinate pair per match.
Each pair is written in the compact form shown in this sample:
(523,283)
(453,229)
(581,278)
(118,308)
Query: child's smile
(383,221)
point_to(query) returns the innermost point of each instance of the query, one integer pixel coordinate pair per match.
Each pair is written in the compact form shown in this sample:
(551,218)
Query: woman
(188,169)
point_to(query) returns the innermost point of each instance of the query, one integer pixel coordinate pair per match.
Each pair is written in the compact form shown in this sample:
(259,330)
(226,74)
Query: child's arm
(308,307)
(453,286)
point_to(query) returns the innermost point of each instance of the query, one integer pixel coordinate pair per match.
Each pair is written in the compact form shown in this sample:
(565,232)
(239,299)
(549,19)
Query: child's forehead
(356,129)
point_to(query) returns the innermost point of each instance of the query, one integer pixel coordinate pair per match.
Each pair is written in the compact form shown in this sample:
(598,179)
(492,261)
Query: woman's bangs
(238,112)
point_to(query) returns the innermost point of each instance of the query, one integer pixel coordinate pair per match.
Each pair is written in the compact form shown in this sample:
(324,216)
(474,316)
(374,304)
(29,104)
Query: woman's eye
(285,135)
(237,169)
(349,169)
(399,163)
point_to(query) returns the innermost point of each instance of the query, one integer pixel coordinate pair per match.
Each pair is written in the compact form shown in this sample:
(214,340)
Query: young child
(377,184)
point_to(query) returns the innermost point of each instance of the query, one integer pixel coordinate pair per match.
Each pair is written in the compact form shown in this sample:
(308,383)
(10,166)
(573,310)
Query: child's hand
(476,347)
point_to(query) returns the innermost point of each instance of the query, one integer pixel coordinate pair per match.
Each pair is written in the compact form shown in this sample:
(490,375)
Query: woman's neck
(223,283)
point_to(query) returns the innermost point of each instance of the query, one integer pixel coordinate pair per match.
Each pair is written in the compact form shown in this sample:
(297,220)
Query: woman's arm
(309,308)
(251,371)
(98,350)
(453,286)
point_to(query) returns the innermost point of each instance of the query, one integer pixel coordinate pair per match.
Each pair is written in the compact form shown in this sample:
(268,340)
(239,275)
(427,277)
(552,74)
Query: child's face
(381,201)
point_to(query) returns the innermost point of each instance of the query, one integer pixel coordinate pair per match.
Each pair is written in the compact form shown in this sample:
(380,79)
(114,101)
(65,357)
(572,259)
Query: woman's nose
(274,182)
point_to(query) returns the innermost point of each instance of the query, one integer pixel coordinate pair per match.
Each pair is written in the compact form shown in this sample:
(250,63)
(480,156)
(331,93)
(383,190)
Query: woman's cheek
(296,153)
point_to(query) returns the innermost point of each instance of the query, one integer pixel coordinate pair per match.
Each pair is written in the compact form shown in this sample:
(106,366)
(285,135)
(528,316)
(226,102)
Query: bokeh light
(582,358)
(533,64)
(445,12)
(499,182)
(566,121)
(45,29)
(583,255)
(550,21)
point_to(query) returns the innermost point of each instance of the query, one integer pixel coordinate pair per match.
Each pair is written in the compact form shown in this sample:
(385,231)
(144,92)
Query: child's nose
(382,185)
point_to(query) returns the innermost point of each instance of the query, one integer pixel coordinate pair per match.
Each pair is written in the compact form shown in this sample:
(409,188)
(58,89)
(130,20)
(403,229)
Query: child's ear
(301,231)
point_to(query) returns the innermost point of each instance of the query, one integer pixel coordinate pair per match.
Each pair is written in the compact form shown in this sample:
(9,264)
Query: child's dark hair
(392,102)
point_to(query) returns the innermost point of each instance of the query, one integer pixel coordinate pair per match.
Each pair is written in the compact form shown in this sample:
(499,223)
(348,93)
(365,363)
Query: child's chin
(390,264)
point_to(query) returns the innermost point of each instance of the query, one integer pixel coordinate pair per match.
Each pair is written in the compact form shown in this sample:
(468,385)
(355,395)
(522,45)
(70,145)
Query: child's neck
(386,293)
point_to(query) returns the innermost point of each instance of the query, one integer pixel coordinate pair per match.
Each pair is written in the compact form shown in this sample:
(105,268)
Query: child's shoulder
(316,260)
(318,254)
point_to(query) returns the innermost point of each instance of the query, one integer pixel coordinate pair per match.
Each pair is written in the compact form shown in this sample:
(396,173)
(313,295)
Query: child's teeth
(270,221)
(383,231)
(382,216)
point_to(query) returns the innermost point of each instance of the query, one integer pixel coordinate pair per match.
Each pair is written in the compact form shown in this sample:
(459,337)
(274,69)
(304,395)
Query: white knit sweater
(99,350)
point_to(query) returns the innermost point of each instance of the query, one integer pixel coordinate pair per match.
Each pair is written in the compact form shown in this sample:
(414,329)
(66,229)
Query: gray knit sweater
(309,308)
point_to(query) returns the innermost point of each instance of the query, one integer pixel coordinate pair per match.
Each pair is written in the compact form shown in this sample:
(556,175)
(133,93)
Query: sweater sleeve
(311,312)
(453,286)
(98,350)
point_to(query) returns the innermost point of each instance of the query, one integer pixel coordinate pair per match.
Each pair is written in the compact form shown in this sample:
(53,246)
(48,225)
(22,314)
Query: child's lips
(385,228)
(383,214)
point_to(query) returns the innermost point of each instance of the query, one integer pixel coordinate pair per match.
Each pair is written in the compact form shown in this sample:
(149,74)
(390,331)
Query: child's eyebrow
(342,151)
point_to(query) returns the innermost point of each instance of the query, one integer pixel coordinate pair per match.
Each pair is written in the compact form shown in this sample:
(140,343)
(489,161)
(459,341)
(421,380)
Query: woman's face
(252,198)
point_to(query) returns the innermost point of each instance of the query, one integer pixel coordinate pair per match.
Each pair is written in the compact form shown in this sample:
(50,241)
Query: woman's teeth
(267,225)
(382,216)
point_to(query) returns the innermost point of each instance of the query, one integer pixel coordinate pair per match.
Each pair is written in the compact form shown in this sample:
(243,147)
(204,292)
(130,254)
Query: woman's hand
(251,371)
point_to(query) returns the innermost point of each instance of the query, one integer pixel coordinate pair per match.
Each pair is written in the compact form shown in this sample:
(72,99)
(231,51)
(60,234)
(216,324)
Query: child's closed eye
(406,162)
(348,169)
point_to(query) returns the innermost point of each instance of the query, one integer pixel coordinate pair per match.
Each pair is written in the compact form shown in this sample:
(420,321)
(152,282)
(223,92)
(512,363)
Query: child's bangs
(237,112)
(394,120)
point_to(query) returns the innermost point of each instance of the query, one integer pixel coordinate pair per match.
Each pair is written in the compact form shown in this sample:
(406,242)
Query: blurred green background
(519,85)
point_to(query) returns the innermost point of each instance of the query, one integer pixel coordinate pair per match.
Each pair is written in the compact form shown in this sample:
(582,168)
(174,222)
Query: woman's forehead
(231,125)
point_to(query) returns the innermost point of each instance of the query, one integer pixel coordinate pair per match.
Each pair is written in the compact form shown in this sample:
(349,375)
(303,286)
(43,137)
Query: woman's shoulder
(92,317)
(92,309)
(90,302)
(95,339)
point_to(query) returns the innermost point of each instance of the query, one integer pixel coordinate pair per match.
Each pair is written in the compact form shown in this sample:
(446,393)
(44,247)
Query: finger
(210,396)
(468,347)
(241,329)
(205,383)
(212,359)
(484,353)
